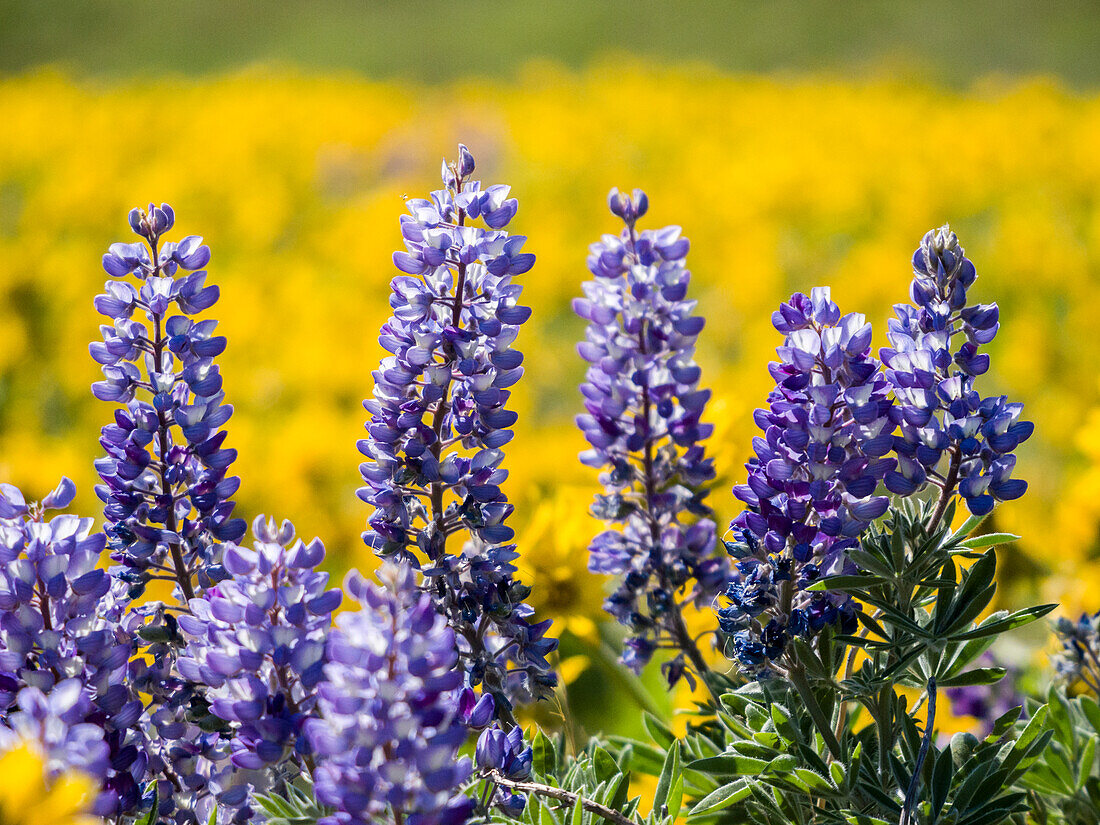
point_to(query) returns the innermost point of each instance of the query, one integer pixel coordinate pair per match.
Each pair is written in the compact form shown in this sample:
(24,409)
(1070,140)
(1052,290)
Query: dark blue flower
(932,363)
(811,484)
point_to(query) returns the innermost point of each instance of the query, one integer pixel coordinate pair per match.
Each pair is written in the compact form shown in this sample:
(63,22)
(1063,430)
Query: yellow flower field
(296,182)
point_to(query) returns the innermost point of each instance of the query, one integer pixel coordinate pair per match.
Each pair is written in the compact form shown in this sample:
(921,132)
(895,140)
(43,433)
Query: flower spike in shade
(391,721)
(643,409)
(811,484)
(166,487)
(932,363)
(439,419)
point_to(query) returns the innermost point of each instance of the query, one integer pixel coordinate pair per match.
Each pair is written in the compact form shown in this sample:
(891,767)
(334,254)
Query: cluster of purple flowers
(165,485)
(811,484)
(65,644)
(938,410)
(257,642)
(643,409)
(390,723)
(438,418)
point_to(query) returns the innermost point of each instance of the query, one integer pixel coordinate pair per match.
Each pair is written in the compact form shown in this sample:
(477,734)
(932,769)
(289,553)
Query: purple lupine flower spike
(438,420)
(932,363)
(66,638)
(257,642)
(643,409)
(390,721)
(811,484)
(166,488)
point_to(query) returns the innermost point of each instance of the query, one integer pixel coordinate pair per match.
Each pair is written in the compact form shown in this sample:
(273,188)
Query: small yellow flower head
(28,797)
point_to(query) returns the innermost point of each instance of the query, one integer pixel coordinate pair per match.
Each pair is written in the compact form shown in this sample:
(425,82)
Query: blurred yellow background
(782,183)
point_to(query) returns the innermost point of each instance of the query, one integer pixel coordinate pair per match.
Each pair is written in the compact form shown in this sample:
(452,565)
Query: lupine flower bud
(390,726)
(937,408)
(643,421)
(506,753)
(811,485)
(439,418)
(166,489)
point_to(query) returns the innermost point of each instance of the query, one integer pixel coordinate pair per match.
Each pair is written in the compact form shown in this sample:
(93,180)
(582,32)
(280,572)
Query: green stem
(634,687)
(914,783)
(825,726)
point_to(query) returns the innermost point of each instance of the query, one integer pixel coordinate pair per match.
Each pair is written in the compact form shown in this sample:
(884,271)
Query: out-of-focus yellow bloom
(554,562)
(781,184)
(27,799)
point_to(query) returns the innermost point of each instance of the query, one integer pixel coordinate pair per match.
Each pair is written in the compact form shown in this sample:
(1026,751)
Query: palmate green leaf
(1091,710)
(755,749)
(1085,763)
(942,774)
(847,584)
(676,797)
(989,540)
(543,759)
(1061,717)
(725,796)
(978,676)
(998,623)
(577,817)
(967,527)
(871,562)
(658,731)
(604,765)
(670,772)
(643,758)
(965,608)
(815,782)
(151,817)
(1003,724)
(730,764)
(958,656)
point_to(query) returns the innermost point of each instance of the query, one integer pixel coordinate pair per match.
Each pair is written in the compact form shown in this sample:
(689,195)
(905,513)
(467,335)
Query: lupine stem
(914,783)
(182,575)
(949,485)
(798,678)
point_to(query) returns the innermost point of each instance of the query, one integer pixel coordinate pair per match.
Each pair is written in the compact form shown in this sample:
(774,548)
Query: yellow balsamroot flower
(27,798)
(780,184)
(553,548)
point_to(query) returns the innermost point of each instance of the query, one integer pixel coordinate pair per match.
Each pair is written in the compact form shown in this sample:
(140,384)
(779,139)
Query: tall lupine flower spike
(811,484)
(932,363)
(64,623)
(165,485)
(257,641)
(390,721)
(438,421)
(643,423)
